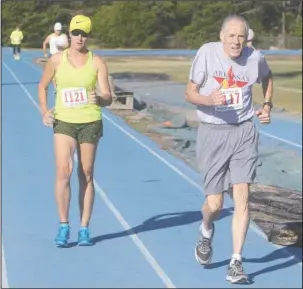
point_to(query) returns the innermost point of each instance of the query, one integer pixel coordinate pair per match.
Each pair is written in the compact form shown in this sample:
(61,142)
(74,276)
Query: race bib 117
(233,99)
(74,96)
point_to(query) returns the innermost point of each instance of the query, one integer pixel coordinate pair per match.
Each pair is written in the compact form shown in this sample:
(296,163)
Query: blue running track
(146,214)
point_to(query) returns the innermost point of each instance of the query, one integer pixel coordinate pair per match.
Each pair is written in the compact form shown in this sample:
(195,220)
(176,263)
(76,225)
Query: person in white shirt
(220,84)
(57,42)
(250,38)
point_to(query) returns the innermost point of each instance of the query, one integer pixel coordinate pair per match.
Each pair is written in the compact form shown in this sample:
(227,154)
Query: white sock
(205,233)
(235,257)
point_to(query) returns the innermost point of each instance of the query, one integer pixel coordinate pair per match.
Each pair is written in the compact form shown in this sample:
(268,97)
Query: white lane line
(289,89)
(281,139)
(137,241)
(31,65)
(4,273)
(22,86)
(140,245)
(191,181)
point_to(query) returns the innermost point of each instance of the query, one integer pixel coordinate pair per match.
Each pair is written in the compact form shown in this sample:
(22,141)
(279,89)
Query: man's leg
(210,211)
(65,146)
(213,159)
(243,172)
(88,139)
(241,217)
(240,225)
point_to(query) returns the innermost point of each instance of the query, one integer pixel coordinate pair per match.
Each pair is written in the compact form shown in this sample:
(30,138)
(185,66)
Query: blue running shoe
(83,237)
(62,236)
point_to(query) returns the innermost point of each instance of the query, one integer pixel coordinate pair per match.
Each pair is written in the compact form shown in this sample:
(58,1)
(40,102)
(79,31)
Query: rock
(178,121)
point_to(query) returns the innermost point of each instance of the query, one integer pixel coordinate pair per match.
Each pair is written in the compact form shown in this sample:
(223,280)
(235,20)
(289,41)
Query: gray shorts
(226,154)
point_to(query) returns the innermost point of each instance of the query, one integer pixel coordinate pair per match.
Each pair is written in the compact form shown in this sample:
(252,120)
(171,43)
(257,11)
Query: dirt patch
(146,126)
(278,212)
(129,76)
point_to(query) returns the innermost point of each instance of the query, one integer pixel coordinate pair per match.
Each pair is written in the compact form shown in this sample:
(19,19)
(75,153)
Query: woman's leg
(86,158)
(64,151)
(88,139)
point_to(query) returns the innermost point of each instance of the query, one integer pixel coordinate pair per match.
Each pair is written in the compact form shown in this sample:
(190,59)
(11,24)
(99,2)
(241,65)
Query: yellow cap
(80,22)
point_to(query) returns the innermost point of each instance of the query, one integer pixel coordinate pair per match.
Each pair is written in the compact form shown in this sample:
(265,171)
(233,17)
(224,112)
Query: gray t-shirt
(211,68)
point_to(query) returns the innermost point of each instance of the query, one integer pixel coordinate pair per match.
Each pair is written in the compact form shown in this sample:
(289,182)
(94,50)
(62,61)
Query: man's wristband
(269,103)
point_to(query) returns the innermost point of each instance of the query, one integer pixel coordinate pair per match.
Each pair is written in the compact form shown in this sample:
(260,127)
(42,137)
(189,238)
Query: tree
(149,24)
(126,24)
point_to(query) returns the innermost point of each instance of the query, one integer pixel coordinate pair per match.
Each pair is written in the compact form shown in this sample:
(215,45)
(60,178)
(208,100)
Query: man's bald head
(234,33)
(234,19)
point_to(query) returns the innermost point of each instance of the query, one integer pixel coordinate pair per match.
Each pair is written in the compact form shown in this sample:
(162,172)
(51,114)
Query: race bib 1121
(74,96)
(233,99)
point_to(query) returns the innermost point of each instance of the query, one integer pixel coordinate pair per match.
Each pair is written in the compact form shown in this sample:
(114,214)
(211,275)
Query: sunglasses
(78,32)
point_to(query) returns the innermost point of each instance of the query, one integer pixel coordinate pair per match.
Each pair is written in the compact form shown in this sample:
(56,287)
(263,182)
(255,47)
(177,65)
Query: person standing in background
(16,38)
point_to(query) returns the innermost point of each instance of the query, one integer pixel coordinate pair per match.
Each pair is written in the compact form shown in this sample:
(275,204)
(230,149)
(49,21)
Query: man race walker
(76,122)
(220,84)
(57,42)
(250,38)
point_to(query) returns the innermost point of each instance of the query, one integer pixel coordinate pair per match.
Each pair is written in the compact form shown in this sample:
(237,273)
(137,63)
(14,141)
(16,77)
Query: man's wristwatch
(269,103)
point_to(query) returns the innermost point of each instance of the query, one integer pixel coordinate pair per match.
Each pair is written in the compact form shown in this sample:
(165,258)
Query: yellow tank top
(73,85)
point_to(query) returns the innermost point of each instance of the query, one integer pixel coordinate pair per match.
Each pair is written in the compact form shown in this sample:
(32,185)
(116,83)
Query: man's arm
(66,44)
(45,43)
(266,78)
(192,94)
(196,78)
(105,98)
(268,88)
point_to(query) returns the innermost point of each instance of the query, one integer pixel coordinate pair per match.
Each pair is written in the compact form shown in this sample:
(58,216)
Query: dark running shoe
(235,274)
(203,250)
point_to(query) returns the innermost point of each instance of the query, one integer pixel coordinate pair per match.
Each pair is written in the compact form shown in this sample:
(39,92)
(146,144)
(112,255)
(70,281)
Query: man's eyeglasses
(78,32)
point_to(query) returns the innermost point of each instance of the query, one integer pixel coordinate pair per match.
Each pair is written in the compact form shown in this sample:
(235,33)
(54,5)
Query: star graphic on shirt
(230,81)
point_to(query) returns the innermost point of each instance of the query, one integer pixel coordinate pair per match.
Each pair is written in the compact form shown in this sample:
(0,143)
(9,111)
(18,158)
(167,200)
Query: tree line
(150,24)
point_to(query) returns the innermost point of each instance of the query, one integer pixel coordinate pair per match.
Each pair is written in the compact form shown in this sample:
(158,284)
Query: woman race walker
(76,121)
